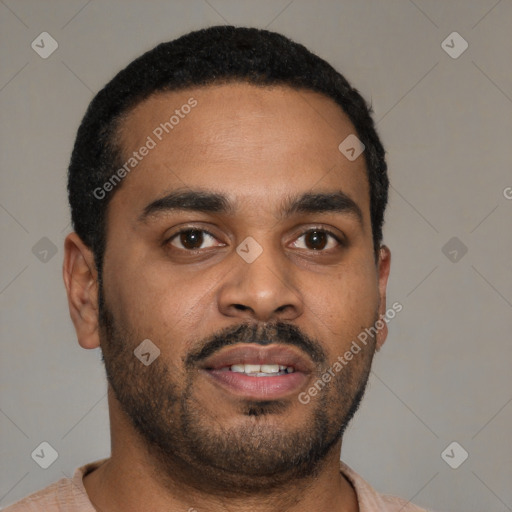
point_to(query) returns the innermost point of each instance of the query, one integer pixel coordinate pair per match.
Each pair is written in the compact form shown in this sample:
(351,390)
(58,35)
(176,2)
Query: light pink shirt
(69,495)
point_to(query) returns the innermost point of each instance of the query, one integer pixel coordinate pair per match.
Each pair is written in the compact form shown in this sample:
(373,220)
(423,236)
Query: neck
(132,480)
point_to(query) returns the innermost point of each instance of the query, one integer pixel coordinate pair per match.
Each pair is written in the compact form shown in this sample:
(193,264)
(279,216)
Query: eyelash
(340,242)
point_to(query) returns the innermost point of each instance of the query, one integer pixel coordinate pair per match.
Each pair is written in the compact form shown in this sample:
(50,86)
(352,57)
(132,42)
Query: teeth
(261,370)
(252,368)
(270,368)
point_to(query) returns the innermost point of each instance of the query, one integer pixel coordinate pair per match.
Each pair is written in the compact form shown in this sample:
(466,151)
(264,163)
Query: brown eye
(191,239)
(317,240)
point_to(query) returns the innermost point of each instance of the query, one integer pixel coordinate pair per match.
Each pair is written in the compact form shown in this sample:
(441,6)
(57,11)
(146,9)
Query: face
(241,245)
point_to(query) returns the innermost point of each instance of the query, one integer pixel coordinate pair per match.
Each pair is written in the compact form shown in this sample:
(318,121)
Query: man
(227,192)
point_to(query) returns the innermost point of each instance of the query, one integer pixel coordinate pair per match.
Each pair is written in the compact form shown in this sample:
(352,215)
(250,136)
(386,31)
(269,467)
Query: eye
(191,239)
(318,240)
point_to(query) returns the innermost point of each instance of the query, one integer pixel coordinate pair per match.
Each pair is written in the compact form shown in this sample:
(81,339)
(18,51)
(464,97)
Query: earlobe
(81,281)
(384,266)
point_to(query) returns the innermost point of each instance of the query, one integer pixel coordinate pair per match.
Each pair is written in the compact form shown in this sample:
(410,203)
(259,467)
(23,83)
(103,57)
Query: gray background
(444,372)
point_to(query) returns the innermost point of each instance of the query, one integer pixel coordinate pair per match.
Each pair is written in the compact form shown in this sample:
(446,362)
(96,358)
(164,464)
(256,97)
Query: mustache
(279,333)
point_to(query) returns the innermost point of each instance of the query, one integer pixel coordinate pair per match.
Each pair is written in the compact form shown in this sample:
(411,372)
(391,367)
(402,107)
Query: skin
(258,146)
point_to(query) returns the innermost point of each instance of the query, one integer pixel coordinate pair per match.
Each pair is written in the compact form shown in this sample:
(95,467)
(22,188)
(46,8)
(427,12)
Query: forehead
(250,142)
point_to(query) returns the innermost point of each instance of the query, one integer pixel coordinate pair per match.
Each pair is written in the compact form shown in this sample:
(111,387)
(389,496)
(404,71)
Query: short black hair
(213,55)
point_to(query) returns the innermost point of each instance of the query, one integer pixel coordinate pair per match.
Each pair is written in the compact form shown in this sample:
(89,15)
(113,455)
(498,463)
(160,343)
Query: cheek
(345,302)
(160,303)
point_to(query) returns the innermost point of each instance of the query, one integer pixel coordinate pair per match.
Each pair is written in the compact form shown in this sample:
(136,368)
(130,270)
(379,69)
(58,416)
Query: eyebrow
(213,202)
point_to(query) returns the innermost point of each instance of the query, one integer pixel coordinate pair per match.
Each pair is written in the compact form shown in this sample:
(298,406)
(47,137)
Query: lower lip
(261,388)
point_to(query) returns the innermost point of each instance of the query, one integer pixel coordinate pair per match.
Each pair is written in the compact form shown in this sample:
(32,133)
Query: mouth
(258,372)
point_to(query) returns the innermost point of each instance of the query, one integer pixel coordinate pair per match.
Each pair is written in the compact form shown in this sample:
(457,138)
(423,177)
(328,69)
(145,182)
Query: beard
(253,455)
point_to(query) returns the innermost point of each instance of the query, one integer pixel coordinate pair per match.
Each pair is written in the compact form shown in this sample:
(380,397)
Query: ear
(81,281)
(384,265)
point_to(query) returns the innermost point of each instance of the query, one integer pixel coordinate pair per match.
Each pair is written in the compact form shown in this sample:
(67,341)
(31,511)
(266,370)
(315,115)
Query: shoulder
(370,500)
(67,494)
(394,503)
(44,500)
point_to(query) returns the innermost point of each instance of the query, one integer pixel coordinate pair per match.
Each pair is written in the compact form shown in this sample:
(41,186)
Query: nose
(264,290)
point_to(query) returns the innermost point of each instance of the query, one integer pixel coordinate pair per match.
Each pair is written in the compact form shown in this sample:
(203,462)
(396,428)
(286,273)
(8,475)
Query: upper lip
(244,353)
